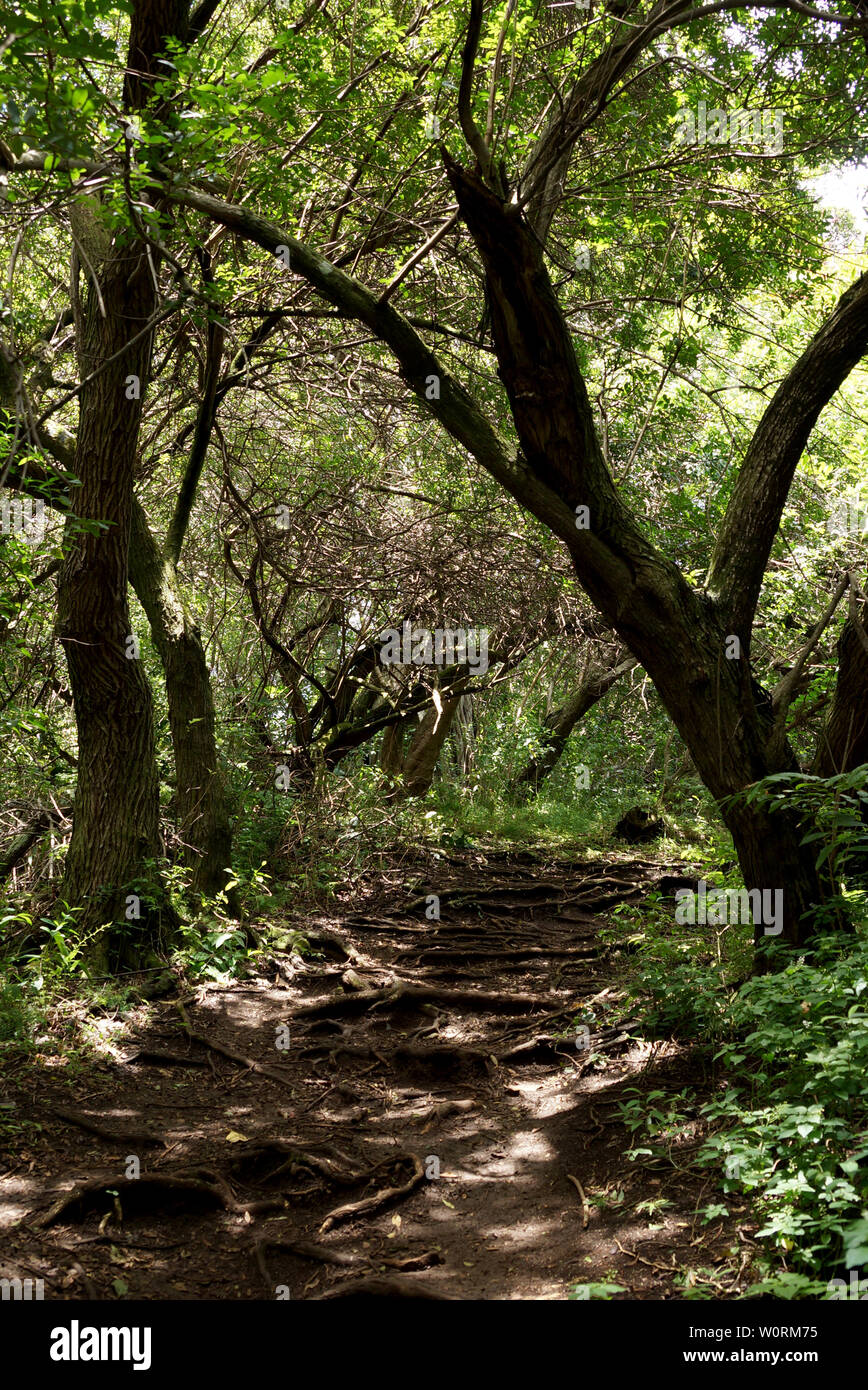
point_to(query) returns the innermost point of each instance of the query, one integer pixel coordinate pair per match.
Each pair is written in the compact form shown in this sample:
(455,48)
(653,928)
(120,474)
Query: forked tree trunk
(681,636)
(415,762)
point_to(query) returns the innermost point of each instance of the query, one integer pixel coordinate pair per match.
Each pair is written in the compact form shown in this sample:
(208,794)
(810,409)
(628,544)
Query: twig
(233,1056)
(652,1264)
(586,1210)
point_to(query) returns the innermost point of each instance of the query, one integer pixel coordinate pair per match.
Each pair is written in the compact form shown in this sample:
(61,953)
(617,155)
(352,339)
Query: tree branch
(454,408)
(783,695)
(761,489)
(201,439)
(471,132)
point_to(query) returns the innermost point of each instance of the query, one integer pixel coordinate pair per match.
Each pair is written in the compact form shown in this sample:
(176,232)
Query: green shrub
(796,1135)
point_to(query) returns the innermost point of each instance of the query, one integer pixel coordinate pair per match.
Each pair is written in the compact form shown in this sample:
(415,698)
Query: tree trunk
(560,724)
(115,833)
(843,744)
(462,737)
(204,823)
(682,636)
(115,821)
(392,748)
(420,762)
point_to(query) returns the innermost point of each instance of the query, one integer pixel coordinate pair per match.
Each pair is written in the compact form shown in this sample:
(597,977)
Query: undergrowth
(788,1126)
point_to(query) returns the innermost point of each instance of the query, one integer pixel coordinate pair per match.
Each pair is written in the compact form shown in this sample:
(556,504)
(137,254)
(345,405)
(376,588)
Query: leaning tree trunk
(29,835)
(421,758)
(204,823)
(560,724)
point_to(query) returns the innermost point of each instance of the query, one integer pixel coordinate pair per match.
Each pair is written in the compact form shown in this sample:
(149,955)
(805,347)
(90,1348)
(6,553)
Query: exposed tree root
(130,1241)
(442,1108)
(380,1199)
(130,1136)
(441,954)
(163,1059)
(410,1262)
(290,1157)
(544,1046)
(380,1286)
(249,1062)
(84,1193)
(400,993)
(193,1183)
(441,1058)
(539,1049)
(308,1250)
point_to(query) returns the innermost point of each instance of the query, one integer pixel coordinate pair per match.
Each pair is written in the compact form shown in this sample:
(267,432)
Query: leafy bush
(15,1012)
(684,973)
(797,1139)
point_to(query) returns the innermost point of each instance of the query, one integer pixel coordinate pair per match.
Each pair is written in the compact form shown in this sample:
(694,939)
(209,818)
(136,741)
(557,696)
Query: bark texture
(115,821)
(204,822)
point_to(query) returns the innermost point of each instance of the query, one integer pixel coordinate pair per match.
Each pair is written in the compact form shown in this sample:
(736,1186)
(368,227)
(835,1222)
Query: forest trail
(413,1110)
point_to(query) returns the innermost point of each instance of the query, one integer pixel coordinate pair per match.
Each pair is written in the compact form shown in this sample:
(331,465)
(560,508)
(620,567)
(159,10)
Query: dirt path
(414,1112)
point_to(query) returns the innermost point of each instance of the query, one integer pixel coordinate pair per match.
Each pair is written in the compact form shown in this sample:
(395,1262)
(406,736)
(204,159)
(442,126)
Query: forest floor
(438,1125)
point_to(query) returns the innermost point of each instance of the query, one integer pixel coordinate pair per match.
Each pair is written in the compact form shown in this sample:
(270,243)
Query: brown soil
(311,1171)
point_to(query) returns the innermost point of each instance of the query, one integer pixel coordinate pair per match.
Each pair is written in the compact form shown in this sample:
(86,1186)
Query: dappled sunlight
(433,651)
